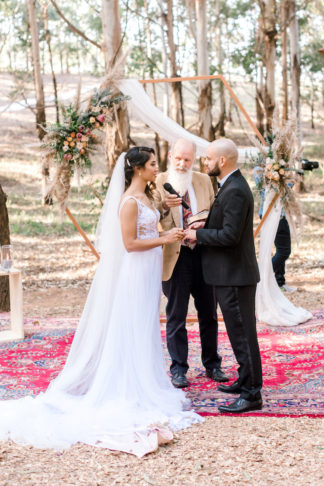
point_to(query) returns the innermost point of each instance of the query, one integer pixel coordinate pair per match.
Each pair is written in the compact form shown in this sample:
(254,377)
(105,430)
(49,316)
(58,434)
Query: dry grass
(221,451)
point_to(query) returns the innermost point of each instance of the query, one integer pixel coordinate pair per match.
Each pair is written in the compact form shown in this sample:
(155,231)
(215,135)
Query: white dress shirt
(222,181)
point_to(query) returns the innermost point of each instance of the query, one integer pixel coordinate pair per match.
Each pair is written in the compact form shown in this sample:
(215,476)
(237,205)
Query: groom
(230,265)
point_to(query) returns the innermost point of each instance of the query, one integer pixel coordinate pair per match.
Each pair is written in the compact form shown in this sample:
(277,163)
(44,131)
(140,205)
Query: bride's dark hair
(137,157)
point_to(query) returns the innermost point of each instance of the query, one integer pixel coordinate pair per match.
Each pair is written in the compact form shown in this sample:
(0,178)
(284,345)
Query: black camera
(309,164)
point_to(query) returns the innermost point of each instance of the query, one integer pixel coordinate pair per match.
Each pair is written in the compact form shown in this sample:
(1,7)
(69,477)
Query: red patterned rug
(292,358)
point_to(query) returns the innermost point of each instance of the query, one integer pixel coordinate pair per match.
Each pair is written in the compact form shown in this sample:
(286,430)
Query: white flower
(95,109)
(282,162)
(65,148)
(79,145)
(269,160)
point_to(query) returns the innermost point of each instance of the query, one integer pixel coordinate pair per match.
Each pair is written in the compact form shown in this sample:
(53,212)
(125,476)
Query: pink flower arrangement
(101,118)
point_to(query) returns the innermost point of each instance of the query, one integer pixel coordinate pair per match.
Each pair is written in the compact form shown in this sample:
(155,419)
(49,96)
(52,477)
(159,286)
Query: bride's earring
(140,173)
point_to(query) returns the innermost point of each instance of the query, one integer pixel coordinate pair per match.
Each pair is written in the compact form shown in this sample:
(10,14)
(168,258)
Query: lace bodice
(147,219)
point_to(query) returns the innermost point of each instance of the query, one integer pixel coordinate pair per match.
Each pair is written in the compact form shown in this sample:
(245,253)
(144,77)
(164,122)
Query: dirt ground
(57,272)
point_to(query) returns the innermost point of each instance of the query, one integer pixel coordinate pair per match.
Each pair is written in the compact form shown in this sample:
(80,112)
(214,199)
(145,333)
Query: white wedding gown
(114,391)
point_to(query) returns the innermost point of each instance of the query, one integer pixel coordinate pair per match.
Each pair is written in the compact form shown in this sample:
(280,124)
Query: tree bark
(259,97)
(40,103)
(205,90)
(48,41)
(295,65)
(151,73)
(268,15)
(177,112)
(117,135)
(220,125)
(295,79)
(4,240)
(284,18)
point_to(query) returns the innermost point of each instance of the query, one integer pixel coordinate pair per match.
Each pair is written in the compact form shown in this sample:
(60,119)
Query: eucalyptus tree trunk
(4,240)
(284,43)
(220,125)
(268,16)
(117,135)
(48,41)
(259,84)
(295,78)
(295,65)
(40,102)
(177,112)
(162,164)
(205,91)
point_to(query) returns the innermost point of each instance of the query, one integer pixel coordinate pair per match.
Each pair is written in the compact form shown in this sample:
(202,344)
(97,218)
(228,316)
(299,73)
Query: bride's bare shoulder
(128,201)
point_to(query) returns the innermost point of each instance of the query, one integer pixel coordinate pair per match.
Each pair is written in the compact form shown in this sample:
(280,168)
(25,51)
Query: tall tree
(284,48)
(295,65)
(220,125)
(177,112)
(49,47)
(205,90)
(4,240)
(40,102)
(268,17)
(117,135)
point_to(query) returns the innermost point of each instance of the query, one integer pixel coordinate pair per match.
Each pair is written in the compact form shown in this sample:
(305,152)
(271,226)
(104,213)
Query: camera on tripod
(309,164)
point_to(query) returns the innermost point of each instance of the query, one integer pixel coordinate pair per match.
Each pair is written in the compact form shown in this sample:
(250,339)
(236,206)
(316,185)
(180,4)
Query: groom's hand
(190,235)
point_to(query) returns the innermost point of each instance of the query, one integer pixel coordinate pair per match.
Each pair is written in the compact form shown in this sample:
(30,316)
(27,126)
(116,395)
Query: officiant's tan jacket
(205,196)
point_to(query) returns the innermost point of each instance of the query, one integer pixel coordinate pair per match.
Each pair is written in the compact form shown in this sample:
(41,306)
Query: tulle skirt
(115,391)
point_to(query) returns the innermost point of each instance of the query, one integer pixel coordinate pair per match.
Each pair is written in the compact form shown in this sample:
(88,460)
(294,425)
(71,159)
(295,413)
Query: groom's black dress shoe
(233,388)
(216,374)
(241,405)
(179,380)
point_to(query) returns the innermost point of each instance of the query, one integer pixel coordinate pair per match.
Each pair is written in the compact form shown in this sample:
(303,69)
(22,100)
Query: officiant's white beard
(179,180)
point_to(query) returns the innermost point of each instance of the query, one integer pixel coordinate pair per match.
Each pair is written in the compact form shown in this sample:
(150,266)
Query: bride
(114,391)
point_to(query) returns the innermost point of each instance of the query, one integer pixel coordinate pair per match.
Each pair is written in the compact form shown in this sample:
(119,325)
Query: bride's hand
(174,235)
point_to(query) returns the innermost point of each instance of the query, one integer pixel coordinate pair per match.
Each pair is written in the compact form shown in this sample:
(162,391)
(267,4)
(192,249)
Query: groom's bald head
(221,157)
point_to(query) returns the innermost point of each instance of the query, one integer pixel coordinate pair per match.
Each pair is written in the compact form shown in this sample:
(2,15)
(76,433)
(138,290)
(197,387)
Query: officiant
(182,270)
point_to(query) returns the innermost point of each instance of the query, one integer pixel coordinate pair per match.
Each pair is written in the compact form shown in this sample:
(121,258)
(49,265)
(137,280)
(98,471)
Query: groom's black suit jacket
(228,252)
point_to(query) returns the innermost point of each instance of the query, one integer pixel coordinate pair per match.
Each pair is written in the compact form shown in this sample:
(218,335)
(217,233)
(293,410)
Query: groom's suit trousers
(238,308)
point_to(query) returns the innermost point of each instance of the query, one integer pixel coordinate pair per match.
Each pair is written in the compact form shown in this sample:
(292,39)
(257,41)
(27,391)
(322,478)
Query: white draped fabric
(271,305)
(145,110)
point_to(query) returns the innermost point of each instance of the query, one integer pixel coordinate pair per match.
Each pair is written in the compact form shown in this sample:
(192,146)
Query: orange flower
(72,135)
(66,142)
(92,119)
(82,151)
(281,171)
(69,139)
(84,144)
(72,144)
